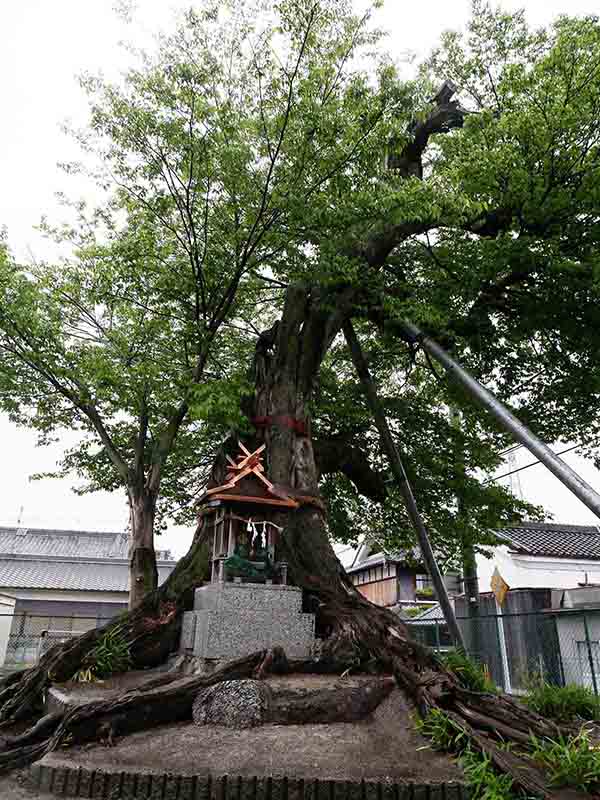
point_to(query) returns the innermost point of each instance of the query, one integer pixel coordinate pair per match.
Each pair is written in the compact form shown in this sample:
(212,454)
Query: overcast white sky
(44,46)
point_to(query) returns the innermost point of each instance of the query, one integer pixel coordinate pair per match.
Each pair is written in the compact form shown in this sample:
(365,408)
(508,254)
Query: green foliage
(214,157)
(414,611)
(470,674)
(444,733)
(571,762)
(485,782)
(563,703)
(110,655)
(246,155)
(429,442)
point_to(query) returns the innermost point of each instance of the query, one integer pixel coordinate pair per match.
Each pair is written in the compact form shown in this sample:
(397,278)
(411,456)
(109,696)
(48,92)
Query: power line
(511,449)
(532,464)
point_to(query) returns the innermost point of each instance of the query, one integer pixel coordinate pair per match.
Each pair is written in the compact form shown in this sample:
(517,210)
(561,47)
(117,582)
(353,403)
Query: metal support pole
(403,484)
(507,419)
(590,654)
(438,646)
(502,645)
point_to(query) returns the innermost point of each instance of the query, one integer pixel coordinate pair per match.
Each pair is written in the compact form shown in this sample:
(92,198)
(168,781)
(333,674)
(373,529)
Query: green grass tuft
(443,732)
(571,762)
(110,655)
(470,674)
(485,782)
(563,703)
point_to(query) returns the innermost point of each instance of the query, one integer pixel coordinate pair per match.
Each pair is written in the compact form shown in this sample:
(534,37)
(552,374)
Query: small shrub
(563,703)
(425,591)
(570,762)
(485,782)
(414,611)
(110,655)
(470,674)
(443,732)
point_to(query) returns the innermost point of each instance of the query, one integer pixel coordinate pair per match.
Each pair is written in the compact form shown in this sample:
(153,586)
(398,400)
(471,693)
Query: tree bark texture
(143,573)
(328,705)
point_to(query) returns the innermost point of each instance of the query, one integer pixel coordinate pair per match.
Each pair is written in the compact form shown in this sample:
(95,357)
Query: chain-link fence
(560,647)
(25,637)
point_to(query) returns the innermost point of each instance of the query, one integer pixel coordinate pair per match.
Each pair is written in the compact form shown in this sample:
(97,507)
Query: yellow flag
(499,586)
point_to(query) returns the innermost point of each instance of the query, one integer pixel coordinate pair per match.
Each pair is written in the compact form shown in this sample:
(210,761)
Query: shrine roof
(246,482)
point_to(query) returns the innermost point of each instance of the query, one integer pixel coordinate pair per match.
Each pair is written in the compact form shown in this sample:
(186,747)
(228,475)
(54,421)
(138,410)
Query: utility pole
(469,562)
(404,486)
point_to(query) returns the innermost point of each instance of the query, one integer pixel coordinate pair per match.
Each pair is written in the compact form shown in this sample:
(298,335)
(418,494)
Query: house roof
(431,616)
(553,540)
(69,575)
(376,559)
(38,558)
(72,544)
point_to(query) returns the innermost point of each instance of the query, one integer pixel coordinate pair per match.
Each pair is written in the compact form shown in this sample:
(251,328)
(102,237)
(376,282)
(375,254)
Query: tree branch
(336,454)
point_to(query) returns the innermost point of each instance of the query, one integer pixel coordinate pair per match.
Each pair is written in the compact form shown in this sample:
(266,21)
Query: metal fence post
(590,655)
(437,637)
(502,647)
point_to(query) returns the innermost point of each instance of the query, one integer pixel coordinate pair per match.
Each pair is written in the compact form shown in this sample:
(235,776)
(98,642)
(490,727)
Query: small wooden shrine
(243,542)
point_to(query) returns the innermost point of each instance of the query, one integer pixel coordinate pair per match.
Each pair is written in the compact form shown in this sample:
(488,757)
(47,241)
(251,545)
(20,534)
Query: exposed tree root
(135,710)
(335,704)
(356,636)
(152,631)
(487,720)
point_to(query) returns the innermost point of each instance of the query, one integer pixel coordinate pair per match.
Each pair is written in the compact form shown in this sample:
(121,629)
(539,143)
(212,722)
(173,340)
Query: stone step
(75,781)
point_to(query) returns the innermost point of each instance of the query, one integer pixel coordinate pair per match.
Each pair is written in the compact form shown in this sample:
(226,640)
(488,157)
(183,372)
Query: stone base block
(234,619)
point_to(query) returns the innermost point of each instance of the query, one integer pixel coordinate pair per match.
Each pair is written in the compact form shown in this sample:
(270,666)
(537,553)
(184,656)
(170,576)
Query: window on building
(423,582)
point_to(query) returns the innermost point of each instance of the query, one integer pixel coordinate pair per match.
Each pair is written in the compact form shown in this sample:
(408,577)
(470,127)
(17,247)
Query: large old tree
(274,172)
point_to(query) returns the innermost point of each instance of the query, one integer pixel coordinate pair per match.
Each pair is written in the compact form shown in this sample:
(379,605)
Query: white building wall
(533,572)
(7,608)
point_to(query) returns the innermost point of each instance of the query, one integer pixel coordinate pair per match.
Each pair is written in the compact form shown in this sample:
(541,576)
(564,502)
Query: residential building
(63,581)
(543,554)
(399,580)
(549,622)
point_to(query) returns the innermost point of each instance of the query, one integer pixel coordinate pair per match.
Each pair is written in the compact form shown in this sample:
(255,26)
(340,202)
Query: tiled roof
(69,575)
(375,559)
(70,544)
(554,540)
(38,558)
(431,616)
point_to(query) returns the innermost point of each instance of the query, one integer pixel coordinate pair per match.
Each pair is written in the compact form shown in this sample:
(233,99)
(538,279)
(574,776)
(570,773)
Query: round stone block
(233,704)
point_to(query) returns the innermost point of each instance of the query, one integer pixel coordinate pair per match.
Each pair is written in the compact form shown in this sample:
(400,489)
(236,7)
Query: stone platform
(230,620)
(382,757)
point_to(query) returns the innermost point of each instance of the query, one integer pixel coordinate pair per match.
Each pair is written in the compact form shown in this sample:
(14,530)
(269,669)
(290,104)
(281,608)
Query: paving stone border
(65,781)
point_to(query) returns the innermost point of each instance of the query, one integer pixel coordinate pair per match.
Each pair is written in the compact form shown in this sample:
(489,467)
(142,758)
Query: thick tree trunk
(354,633)
(143,574)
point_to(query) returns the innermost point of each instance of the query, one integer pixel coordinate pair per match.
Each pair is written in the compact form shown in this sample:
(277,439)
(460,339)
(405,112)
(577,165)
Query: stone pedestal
(231,620)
